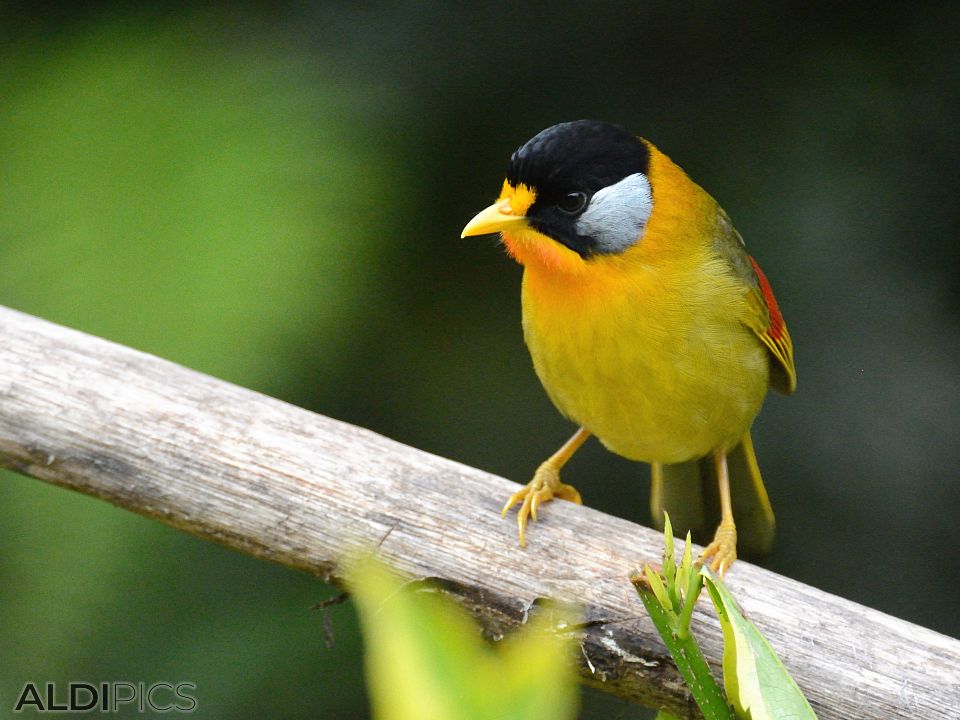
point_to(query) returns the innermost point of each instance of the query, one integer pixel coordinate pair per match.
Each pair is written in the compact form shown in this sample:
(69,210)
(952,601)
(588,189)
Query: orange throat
(536,251)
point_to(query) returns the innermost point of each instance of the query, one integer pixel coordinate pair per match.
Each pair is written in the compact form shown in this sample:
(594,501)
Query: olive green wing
(688,491)
(763,313)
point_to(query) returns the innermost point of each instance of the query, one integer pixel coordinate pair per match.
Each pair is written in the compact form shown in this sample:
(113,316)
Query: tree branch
(300,489)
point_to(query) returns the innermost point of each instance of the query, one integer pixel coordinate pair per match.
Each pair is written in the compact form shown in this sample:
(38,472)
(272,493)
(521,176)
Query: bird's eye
(573,202)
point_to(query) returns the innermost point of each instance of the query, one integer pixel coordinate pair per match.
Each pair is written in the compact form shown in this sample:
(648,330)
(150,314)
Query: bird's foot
(544,487)
(723,549)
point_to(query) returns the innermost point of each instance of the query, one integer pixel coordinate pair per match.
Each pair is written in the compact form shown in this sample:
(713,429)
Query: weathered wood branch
(287,485)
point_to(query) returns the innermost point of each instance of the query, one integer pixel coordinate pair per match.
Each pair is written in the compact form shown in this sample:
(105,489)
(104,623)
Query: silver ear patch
(617,214)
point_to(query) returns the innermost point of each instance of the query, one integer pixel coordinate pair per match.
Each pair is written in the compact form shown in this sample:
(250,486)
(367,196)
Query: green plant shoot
(756,683)
(670,599)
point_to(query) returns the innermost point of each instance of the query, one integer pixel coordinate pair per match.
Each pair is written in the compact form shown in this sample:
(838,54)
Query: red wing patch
(777,325)
(769,326)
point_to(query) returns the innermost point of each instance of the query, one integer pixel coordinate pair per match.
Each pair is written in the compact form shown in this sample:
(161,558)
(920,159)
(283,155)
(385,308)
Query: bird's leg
(723,549)
(546,484)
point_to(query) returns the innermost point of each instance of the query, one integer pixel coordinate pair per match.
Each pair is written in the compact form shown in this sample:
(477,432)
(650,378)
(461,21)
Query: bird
(648,323)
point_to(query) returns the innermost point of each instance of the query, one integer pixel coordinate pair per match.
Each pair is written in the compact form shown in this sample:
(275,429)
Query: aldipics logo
(161,697)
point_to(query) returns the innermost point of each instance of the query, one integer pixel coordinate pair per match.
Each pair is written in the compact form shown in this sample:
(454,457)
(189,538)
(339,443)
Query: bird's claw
(544,487)
(723,549)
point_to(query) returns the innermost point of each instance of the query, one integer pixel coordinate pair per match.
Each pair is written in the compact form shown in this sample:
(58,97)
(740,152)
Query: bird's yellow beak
(496,218)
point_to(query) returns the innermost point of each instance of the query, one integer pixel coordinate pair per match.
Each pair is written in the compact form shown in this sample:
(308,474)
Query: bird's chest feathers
(658,370)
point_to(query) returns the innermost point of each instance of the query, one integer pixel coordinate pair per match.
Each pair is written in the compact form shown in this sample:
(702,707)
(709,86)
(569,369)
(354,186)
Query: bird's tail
(688,491)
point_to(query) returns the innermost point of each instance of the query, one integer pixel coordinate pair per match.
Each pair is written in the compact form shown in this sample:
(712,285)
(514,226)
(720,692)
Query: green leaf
(757,683)
(426,659)
(657,587)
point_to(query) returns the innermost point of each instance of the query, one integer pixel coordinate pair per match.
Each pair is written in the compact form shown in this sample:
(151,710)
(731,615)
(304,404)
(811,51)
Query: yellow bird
(648,323)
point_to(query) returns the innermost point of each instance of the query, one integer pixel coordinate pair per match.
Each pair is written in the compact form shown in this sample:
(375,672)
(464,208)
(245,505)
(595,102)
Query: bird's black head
(590,183)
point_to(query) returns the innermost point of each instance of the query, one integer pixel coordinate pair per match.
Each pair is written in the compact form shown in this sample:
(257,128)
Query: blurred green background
(273,194)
